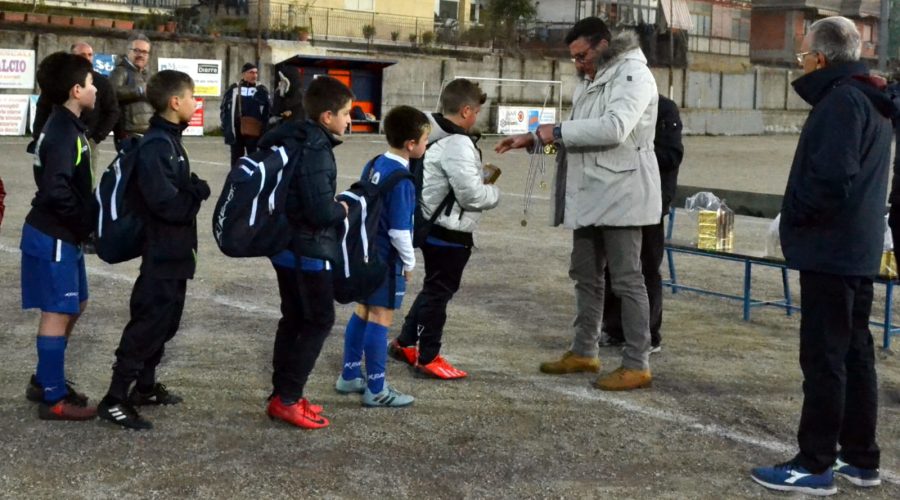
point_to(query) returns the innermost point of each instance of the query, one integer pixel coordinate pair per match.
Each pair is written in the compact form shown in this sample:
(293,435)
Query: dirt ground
(726,393)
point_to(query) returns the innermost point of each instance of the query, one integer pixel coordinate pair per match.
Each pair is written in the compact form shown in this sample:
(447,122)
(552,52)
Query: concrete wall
(713,103)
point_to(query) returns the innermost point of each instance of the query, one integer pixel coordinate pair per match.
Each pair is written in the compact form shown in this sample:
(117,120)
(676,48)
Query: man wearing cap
(244,113)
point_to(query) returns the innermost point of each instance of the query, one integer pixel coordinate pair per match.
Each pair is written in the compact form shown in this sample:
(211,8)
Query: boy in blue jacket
(304,272)
(60,220)
(168,196)
(407,132)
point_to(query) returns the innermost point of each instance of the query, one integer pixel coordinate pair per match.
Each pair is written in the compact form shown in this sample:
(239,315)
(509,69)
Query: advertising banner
(521,119)
(206,73)
(13,113)
(17,69)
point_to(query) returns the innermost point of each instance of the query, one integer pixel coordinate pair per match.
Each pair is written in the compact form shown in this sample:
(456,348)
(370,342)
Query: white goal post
(523,112)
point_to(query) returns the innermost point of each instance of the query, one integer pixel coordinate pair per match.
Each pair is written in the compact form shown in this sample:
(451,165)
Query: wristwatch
(557,133)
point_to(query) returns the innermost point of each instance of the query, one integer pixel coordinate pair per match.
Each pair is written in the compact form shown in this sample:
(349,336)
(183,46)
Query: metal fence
(339,24)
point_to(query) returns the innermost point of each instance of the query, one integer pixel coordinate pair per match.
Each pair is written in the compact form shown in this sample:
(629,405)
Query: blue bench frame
(671,247)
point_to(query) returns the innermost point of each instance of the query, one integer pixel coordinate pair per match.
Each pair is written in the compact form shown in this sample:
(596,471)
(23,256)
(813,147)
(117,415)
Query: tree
(503,17)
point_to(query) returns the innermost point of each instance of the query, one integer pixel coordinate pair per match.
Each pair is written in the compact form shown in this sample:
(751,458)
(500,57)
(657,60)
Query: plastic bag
(715,222)
(773,239)
(888,260)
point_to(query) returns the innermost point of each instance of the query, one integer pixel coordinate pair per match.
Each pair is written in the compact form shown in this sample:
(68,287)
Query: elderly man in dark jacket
(100,120)
(832,228)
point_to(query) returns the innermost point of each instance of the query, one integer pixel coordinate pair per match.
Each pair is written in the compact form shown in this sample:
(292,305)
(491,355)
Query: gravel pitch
(726,394)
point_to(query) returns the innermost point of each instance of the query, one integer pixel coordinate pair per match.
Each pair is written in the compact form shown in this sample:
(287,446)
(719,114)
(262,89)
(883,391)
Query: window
(359,4)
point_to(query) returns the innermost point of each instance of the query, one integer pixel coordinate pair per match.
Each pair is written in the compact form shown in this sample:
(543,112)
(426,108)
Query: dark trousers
(307,315)
(156,307)
(426,318)
(840,388)
(242,146)
(652,248)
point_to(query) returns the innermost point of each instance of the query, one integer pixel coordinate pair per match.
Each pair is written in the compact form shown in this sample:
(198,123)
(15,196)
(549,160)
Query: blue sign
(104,63)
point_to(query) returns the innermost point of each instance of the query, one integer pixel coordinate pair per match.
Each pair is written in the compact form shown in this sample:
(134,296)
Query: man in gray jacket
(130,82)
(606,187)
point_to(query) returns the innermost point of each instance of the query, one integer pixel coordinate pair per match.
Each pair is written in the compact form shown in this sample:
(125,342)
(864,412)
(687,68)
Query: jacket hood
(622,45)
(813,87)
(298,131)
(442,127)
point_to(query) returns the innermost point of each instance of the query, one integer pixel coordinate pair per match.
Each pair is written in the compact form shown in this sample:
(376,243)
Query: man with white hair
(832,227)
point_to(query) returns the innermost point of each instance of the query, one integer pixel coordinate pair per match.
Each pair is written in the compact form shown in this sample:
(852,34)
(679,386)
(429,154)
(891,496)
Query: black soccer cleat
(159,395)
(123,414)
(35,393)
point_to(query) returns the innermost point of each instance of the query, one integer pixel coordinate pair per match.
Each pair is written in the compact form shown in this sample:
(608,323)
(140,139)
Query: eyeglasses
(582,57)
(801,55)
(141,52)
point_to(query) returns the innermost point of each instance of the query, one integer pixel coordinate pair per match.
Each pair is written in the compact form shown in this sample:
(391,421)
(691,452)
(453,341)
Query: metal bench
(749,260)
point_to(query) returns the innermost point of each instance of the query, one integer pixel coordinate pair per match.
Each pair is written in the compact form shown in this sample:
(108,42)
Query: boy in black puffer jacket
(168,196)
(304,274)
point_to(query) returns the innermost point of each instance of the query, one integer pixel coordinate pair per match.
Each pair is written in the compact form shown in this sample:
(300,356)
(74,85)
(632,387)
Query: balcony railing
(111,5)
(724,46)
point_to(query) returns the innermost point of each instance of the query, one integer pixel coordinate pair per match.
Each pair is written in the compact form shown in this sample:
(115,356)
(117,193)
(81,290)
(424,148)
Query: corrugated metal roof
(677,14)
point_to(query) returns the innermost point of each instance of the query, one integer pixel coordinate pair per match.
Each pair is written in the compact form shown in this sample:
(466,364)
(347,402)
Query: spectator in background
(129,80)
(244,112)
(2,199)
(99,121)
(669,151)
(288,101)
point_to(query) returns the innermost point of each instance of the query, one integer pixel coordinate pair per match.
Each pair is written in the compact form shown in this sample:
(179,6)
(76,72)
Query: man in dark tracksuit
(247,98)
(832,231)
(669,151)
(168,196)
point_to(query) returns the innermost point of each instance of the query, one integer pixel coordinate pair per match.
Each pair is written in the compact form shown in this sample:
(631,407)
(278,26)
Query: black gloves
(199,187)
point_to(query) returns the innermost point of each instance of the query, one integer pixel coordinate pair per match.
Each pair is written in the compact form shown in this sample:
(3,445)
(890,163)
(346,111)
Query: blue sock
(51,367)
(376,356)
(354,336)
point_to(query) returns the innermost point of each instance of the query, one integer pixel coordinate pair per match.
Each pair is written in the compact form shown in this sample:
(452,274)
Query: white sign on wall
(13,113)
(521,119)
(16,69)
(206,73)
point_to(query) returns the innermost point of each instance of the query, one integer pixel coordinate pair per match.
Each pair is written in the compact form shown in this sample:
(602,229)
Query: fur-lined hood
(623,45)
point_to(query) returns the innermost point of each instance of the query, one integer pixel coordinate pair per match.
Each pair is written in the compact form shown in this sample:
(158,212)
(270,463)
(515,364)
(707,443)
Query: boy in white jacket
(452,184)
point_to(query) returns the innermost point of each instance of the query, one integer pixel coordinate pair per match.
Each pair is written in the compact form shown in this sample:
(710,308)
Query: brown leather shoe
(623,379)
(571,363)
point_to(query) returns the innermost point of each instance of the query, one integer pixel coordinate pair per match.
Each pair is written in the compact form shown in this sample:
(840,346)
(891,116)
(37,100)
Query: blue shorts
(381,297)
(53,274)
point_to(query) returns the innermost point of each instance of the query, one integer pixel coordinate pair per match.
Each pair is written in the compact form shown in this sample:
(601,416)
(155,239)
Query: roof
(332,62)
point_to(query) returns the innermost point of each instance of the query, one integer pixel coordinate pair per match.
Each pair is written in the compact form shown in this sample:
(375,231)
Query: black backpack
(250,219)
(120,227)
(358,270)
(422,225)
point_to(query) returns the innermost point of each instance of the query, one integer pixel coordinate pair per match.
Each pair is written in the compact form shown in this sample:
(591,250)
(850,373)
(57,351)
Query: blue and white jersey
(394,237)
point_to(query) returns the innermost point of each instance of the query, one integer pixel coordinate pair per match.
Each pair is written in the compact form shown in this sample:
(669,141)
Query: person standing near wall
(244,113)
(129,80)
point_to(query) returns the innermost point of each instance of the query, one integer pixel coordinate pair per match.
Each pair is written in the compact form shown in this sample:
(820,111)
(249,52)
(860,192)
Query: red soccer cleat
(441,369)
(406,355)
(300,414)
